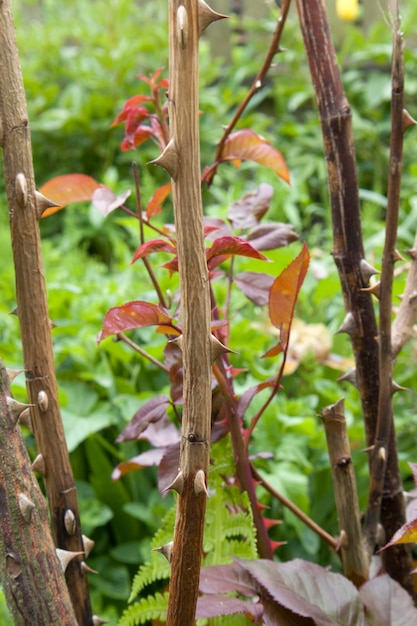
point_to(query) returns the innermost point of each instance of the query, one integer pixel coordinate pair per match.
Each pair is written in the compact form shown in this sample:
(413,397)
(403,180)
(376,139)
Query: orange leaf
(284,293)
(406,534)
(68,188)
(245,145)
(154,205)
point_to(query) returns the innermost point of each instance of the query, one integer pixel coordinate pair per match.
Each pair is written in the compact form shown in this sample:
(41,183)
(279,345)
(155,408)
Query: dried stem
(354,557)
(32,311)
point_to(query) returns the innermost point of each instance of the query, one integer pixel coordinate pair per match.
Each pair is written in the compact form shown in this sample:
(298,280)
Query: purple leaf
(309,590)
(388,604)
(161,433)
(255,286)
(221,228)
(106,201)
(226,578)
(168,467)
(213,606)
(152,411)
(271,236)
(249,210)
(137,314)
(247,397)
(150,457)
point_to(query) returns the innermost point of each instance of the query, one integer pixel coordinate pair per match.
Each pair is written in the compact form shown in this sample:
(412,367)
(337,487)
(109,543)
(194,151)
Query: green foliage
(228,533)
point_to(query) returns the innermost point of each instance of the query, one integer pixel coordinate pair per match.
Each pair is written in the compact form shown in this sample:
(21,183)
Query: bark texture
(33,315)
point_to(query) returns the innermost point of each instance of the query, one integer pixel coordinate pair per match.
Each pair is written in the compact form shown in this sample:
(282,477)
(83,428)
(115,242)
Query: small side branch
(354,557)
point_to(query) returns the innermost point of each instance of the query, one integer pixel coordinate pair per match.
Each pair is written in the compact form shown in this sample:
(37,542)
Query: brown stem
(354,557)
(403,326)
(33,315)
(260,77)
(30,573)
(331,541)
(142,352)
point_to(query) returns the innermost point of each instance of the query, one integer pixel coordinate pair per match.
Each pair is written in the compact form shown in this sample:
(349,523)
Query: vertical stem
(32,311)
(182,159)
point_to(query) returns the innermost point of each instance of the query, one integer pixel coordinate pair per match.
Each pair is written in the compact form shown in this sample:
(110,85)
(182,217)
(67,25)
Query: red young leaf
(106,201)
(131,315)
(271,236)
(255,286)
(249,210)
(224,247)
(68,188)
(141,134)
(246,145)
(156,245)
(284,293)
(152,411)
(154,205)
(132,103)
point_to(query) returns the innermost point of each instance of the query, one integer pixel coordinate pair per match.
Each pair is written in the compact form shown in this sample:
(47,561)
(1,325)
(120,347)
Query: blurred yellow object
(347,9)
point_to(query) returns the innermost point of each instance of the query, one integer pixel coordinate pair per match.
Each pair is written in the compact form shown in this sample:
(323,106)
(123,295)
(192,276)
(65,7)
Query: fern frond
(150,608)
(148,573)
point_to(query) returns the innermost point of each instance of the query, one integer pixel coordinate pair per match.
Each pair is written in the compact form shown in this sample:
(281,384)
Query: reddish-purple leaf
(156,245)
(227,578)
(141,134)
(246,145)
(271,236)
(168,467)
(67,189)
(249,210)
(223,247)
(284,293)
(309,590)
(221,229)
(152,411)
(137,314)
(161,433)
(106,201)
(154,205)
(146,459)
(387,603)
(247,397)
(255,286)
(213,606)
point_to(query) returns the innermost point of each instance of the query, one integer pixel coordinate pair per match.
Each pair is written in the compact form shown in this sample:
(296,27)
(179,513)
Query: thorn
(366,271)
(177,484)
(97,621)
(13,373)
(26,507)
(396,387)
(200,484)
(349,377)
(182,26)
(166,550)
(26,420)
(177,341)
(270,523)
(16,408)
(88,570)
(38,465)
(217,348)
(43,401)
(412,254)
(88,545)
(21,188)
(382,455)
(168,159)
(277,544)
(369,449)
(43,203)
(348,325)
(407,120)
(70,522)
(375,290)
(65,557)
(397,256)
(342,541)
(206,16)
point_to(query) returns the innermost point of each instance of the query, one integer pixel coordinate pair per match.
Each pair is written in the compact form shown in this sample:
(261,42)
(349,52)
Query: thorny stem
(146,355)
(260,77)
(146,263)
(331,541)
